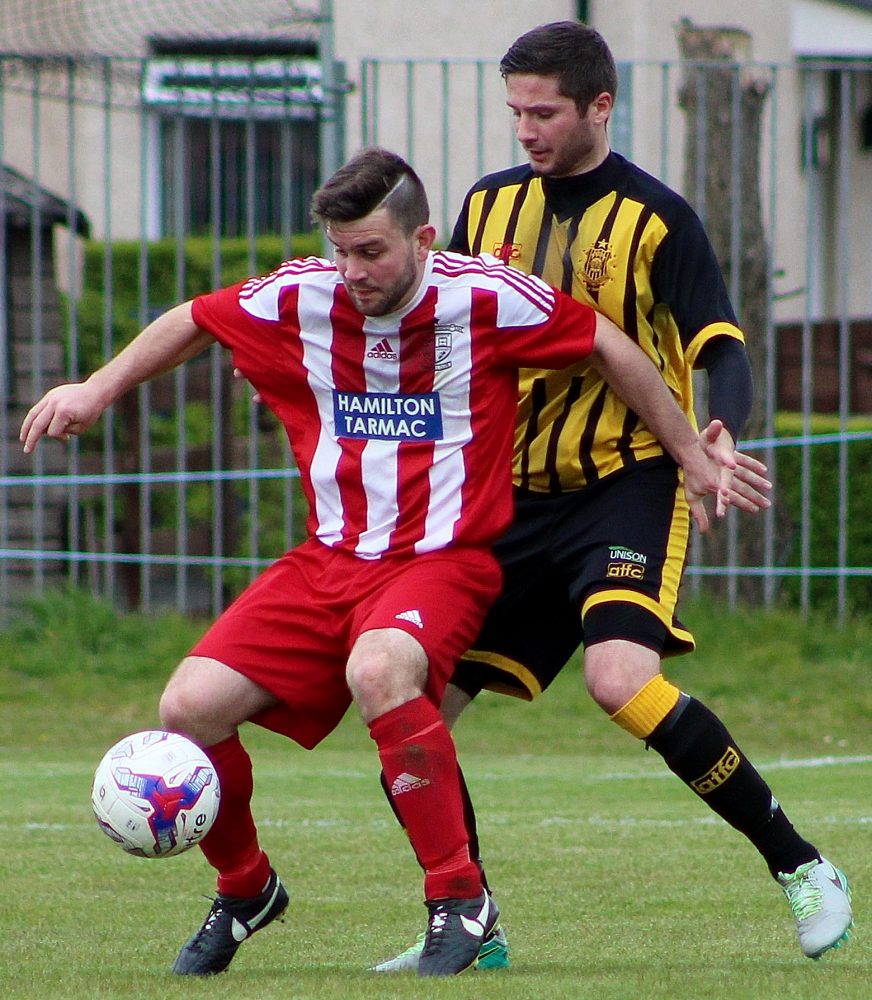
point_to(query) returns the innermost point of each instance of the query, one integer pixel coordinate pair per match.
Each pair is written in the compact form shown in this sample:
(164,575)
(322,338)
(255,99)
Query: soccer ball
(155,794)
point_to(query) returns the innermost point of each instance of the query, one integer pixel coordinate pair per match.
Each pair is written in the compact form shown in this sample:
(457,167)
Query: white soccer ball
(155,794)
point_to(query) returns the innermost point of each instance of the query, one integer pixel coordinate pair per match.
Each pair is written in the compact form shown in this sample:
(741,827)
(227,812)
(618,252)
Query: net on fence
(119,27)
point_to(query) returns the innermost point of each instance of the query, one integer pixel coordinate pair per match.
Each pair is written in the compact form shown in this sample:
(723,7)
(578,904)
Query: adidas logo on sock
(406,782)
(411,616)
(383,351)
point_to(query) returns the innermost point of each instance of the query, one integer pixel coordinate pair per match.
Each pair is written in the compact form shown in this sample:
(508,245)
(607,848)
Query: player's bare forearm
(71,409)
(170,340)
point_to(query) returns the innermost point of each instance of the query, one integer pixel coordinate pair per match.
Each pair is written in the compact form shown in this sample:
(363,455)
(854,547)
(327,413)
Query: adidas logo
(383,351)
(406,782)
(411,616)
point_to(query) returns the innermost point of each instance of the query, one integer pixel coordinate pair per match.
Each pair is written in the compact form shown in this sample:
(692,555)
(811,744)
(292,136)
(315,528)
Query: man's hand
(743,482)
(749,485)
(708,469)
(62,412)
(255,396)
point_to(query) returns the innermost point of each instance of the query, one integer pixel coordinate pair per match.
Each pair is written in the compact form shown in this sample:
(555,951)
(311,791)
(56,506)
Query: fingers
(712,432)
(753,473)
(256,396)
(717,444)
(749,463)
(742,478)
(699,515)
(39,422)
(742,481)
(748,499)
(62,411)
(748,487)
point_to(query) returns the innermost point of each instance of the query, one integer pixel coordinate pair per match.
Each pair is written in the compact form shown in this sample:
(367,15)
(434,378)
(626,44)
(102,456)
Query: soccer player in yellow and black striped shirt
(597,548)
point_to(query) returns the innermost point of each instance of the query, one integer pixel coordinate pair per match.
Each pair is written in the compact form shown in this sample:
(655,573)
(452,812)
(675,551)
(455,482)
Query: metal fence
(129,185)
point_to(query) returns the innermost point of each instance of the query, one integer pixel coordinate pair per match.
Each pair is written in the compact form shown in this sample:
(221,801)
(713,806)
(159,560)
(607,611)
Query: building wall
(67,151)
(813,256)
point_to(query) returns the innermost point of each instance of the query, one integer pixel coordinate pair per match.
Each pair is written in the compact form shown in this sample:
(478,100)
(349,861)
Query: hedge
(824,506)
(170,277)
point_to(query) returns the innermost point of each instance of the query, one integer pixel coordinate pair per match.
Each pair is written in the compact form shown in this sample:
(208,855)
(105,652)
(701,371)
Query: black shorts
(602,563)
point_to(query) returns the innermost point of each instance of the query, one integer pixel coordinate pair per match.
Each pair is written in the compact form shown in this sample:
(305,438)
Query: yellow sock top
(648,707)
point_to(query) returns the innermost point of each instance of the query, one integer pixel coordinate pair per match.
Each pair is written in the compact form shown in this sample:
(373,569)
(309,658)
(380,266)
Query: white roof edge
(818,28)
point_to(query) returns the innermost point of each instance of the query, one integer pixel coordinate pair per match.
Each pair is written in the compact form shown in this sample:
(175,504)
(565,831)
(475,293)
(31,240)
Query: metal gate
(129,185)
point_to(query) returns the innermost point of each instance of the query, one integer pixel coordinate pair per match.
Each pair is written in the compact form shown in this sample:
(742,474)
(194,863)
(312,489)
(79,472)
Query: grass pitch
(615,882)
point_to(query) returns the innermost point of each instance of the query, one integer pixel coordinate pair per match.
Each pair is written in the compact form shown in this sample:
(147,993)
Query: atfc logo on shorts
(625,564)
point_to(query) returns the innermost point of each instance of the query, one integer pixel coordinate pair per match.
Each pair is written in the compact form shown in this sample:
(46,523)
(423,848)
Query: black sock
(698,748)
(471,827)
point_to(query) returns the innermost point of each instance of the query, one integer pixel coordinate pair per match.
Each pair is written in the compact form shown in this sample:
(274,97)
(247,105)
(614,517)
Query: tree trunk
(724,97)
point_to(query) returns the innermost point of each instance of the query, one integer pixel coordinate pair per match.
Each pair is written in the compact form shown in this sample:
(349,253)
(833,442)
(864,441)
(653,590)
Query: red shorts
(292,629)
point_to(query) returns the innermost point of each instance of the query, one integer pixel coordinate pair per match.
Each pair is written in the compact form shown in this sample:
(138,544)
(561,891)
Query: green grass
(615,882)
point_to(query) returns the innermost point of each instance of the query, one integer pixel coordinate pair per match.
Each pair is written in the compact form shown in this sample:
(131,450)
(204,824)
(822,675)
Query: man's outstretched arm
(170,340)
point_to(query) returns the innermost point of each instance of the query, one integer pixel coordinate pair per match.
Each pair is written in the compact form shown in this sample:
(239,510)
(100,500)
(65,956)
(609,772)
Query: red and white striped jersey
(401,425)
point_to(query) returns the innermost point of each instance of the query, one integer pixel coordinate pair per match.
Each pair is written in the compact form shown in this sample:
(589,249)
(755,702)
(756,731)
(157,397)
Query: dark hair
(573,52)
(373,178)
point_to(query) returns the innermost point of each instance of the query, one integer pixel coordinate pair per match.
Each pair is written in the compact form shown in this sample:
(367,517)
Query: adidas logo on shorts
(411,616)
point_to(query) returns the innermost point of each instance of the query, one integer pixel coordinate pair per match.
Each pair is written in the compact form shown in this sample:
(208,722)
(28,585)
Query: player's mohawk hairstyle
(375,178)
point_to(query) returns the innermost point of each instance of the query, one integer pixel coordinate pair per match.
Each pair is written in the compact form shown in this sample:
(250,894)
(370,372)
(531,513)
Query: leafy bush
(126,284)
(824,507)
(170,275)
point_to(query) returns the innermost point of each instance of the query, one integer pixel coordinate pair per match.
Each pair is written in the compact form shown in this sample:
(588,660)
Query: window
(237,138)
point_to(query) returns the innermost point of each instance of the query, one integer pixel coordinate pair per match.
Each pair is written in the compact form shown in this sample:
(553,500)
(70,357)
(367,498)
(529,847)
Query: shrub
(824,523)
(169,275)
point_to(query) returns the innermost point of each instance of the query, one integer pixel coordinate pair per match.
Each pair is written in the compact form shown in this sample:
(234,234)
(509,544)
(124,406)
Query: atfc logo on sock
(718,774)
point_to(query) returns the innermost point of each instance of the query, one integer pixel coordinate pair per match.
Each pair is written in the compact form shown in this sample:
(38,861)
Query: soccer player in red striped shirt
(394,370)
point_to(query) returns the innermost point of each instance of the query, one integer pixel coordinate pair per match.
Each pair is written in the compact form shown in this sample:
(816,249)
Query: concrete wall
(819,240)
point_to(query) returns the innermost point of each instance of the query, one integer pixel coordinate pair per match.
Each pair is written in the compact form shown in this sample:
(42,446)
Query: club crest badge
(443,345)
(597,265)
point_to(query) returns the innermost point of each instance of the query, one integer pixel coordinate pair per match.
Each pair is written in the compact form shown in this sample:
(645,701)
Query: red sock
(231,845)
(420,764)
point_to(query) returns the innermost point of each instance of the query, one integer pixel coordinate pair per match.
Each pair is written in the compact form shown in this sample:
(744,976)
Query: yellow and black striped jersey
(621,241)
